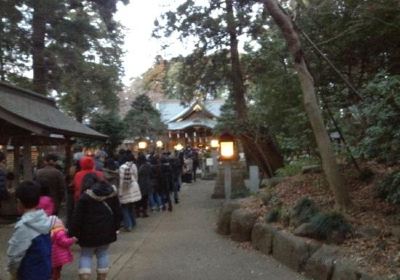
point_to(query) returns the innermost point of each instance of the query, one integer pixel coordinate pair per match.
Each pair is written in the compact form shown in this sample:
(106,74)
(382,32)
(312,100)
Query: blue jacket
(29,249)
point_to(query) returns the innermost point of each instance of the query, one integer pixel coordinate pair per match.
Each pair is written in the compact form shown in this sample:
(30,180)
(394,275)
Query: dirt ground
(377,249)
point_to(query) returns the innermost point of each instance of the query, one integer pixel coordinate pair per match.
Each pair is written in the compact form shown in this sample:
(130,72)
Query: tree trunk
(264,153)
(329,165)
(38,47)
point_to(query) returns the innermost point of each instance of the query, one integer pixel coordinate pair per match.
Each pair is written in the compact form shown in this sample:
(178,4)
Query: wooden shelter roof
(37,115)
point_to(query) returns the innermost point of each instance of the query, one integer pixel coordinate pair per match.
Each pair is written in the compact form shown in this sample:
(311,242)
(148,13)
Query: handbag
(135,191)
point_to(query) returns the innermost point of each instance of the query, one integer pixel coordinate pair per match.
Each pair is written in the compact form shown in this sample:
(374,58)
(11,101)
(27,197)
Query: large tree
(216,27)
(334,177)
(14,47)
(75,51)
(143,120)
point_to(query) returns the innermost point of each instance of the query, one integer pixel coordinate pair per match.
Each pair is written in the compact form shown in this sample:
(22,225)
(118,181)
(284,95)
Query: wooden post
(28,159)
(16,169)
(68,155)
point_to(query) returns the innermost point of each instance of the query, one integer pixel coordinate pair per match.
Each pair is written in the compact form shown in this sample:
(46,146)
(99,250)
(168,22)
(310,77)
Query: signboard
(209,162)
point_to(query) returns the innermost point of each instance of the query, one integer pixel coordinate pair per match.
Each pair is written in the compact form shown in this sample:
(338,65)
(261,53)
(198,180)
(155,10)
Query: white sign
(209,162)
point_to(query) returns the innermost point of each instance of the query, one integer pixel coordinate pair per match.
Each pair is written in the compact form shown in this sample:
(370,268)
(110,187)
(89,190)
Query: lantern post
(228,154)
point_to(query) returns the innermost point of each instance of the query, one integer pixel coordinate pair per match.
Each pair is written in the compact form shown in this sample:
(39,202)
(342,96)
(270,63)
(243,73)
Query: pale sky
(138,18)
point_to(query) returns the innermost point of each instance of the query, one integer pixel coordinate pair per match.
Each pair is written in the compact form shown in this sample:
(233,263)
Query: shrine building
(192,124)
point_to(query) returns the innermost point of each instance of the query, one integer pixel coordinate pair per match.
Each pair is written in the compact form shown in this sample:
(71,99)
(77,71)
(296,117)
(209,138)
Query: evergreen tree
(143,120)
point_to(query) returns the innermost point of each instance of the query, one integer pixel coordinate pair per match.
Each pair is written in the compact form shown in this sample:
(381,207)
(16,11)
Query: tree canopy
(143,120)
(72,47)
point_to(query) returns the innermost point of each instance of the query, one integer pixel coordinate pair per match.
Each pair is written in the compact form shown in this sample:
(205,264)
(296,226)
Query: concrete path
(183,245)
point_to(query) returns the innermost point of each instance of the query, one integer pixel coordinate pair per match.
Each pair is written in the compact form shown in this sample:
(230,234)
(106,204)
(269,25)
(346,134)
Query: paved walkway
(183,245)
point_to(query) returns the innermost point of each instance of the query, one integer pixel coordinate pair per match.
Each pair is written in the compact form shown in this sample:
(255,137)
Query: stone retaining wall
(314,259)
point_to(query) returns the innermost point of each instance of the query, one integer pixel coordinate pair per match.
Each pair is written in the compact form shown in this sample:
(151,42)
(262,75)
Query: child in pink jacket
(60,248)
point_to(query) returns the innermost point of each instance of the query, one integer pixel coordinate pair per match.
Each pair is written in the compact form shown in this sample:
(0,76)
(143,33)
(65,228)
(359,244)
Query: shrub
(272,216)
(330,226)
(366,175)
(303,211)
(241,193)
(294,167)
(388,189)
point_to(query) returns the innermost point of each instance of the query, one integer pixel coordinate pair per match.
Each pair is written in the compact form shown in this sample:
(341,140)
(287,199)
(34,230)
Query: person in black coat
(176,169)
(166,181)
(145,184)
(155,183)
(95,223)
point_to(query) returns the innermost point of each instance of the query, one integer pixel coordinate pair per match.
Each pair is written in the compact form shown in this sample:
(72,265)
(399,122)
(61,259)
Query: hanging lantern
(142,144)
(227,147)
(214,143)
(178,147)
(159,144)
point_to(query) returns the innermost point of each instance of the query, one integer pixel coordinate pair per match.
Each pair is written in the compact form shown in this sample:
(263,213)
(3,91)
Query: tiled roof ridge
(28,93)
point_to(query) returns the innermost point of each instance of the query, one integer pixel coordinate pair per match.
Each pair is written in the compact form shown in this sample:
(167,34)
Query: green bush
(242,193)
(330,224)
(389,188)
(379,109)
(366,175)
(303,211)
(273,216)
(295,167)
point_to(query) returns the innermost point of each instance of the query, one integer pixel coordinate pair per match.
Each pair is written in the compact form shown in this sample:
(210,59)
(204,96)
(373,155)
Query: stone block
(238,174)
(293,251)
(224,217)
(311,169)
(320,265)
(345,270)
(262,236)
(242,223)
(271,182)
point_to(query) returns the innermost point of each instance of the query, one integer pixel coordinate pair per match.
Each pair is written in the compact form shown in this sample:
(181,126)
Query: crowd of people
(105,195)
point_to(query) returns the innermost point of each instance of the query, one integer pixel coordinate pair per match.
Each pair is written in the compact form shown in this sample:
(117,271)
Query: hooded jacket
(127,193)
(87,166)
(29,249)
(61,247)
(97,216)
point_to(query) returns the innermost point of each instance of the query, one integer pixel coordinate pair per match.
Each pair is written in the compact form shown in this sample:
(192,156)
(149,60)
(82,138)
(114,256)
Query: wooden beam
(27,160)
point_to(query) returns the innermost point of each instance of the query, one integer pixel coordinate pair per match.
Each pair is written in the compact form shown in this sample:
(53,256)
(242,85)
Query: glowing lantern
(142,144)
(214,143)
(178,147)
(159,144)
(227,147)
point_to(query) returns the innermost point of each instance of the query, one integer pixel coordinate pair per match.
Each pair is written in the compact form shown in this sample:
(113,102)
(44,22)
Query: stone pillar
(238,172)
(227,180)
(254,178)
(214,155)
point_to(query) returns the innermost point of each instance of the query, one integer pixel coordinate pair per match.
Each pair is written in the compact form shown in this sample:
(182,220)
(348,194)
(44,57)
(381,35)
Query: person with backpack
(95,223)
(128,191)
